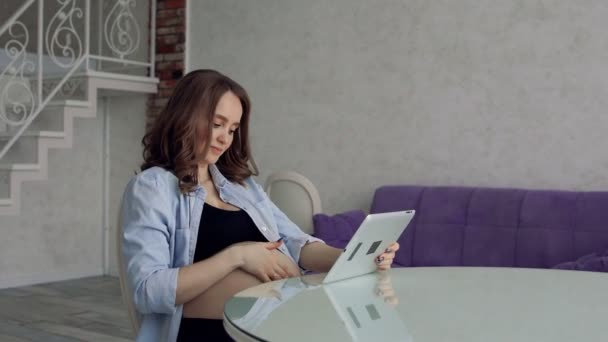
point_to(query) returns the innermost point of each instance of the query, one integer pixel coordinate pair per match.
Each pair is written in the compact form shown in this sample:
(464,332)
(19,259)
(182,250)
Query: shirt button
(264,229)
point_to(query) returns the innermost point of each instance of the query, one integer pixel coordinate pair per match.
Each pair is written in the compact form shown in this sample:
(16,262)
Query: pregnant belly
(210,304)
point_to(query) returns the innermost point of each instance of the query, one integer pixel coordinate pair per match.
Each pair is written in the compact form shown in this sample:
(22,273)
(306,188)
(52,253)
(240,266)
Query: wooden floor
(88,309)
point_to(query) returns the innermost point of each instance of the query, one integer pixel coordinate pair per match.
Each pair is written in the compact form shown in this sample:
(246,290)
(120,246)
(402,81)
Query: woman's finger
(282,273)
(384,258)
(288,272)
(385,292)
(380,258)
(276,274)
(285,271)
(384,286)
(392,248)
(392,301)
(272,245)
(264,277)
(386,254)
(386,262)
(385,265)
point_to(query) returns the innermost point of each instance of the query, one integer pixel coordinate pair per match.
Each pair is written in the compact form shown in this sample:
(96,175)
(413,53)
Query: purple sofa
(463,226)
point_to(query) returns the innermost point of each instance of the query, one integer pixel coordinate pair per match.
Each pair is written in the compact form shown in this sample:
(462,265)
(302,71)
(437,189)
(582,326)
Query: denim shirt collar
(228,192)
(218,179)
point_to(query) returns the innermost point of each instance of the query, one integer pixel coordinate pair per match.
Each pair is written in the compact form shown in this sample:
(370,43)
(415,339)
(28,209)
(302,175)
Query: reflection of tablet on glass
(365,315)
(374,235)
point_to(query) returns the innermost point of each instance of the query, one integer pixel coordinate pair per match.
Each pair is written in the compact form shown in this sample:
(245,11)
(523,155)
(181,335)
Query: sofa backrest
(465,226)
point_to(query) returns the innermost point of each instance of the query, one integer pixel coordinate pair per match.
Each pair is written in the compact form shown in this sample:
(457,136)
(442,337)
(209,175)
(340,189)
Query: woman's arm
(318,257)
(253,257)
(157,286)
(192,280)
(310,252)
(145,217)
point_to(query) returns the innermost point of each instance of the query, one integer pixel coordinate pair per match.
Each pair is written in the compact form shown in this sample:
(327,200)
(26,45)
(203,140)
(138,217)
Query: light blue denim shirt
(160,228)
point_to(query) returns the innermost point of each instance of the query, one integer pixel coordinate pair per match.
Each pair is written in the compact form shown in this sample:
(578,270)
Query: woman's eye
(231,131)
(216,125)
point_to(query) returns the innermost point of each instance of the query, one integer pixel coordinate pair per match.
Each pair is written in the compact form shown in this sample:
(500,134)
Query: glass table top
(427,304)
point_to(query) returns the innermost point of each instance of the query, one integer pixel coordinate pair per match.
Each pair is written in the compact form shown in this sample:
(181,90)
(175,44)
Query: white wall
(355,94)
(59,233)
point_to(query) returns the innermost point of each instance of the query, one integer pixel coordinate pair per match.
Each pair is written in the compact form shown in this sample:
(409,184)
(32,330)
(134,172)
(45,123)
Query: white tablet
(375,234)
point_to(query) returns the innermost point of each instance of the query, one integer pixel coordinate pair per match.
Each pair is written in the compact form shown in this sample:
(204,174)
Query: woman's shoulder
(250,184)
(255,190)
(156,177)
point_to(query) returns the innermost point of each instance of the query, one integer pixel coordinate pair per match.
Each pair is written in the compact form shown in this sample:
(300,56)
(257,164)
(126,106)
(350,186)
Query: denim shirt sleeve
(146,236)
(294,238)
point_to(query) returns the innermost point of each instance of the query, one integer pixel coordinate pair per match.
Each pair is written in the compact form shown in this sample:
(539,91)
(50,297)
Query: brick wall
(170,45)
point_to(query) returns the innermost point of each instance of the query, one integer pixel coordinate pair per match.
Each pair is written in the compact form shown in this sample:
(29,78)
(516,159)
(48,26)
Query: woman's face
(226,120)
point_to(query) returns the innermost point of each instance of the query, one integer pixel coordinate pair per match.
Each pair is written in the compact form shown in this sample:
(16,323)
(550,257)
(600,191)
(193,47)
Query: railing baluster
(15,16)
(66,51)
(152,37)
(87,31)
(40,50)
(100,35)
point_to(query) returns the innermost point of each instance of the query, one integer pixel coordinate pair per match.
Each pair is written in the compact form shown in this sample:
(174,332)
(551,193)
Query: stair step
(26,148)
(41,134)
(69,103)
(110,84)
(22,159)
(20,167)
(122,77)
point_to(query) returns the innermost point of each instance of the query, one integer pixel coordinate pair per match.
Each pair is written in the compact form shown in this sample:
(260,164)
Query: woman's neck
(203,173)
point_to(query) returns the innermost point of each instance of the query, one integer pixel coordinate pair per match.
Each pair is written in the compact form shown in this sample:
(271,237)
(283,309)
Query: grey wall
(356,94)
(127,127)
(59,233)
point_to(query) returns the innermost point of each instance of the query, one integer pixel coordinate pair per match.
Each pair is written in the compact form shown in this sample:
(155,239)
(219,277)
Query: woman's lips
(216,150)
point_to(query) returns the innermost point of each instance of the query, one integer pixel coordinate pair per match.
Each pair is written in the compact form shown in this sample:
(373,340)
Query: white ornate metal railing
(47,46)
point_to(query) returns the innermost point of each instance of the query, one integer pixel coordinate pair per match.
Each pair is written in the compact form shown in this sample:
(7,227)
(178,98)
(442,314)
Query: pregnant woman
(196,227)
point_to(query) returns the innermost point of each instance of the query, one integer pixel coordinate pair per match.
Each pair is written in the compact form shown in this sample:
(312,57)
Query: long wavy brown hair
(171,142)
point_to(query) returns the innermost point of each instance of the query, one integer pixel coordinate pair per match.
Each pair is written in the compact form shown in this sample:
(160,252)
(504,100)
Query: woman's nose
(221,137)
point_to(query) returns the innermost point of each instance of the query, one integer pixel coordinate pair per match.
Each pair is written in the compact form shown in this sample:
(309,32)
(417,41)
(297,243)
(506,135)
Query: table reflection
(366,305)
(359,309)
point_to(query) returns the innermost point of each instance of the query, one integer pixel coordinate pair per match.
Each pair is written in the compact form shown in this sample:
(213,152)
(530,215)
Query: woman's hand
(285,262)
(385,260)
(258,259)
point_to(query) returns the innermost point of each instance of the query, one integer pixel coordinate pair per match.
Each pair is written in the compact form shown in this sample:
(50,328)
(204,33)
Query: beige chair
(127,297)
(296,196)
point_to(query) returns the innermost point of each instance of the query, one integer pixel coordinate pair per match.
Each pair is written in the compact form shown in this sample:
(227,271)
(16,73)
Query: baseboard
(113,272)
(47,277)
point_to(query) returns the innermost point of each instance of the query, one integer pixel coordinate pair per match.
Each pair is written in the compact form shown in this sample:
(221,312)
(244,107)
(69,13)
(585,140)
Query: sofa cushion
(596,262)
(337,230)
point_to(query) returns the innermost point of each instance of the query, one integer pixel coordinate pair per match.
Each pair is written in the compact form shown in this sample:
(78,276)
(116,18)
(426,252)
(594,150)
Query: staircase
(80,53)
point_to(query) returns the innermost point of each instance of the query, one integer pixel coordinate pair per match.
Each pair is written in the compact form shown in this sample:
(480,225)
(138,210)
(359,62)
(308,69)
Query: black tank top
(220,228)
